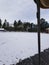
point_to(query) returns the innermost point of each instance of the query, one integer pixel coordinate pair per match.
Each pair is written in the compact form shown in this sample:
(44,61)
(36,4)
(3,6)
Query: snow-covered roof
(2,29)
(47,28)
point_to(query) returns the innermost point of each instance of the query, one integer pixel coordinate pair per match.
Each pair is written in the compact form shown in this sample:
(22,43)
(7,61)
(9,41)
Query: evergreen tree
(15,25)
(19,22)
(5,24)
(43,24)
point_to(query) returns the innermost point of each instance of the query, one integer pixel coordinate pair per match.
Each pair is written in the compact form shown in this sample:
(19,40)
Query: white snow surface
(20,45)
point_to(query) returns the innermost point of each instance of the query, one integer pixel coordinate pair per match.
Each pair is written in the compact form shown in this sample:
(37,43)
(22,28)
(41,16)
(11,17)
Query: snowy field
(19,45)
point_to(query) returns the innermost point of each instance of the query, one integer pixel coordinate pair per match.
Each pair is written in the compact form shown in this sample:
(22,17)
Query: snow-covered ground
(20,45)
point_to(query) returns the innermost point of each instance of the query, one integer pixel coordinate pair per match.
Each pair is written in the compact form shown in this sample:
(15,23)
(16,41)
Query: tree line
(24,26)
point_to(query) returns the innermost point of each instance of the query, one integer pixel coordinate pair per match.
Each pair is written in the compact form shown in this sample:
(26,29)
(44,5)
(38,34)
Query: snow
(20,45)
(1,28)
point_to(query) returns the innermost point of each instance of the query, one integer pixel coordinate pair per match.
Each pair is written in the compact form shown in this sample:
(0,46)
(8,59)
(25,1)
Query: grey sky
(24,10)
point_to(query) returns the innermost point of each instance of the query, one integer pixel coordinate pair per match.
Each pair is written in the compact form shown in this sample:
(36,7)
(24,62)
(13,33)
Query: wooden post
(45,5)
(38,22)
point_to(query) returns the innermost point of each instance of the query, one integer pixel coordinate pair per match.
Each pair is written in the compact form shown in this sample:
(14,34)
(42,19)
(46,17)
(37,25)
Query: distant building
(2,29)
(11,25)
(27,28)
(47,30)
(20,26)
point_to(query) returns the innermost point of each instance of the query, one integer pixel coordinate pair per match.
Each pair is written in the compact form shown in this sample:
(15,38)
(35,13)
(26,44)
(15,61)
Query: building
(2,29)
(47,30)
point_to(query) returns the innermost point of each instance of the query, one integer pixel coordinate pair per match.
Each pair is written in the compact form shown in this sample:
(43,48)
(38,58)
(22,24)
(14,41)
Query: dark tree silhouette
(19,22)
(26,25)
(43,24)
(5,24)
(15,25)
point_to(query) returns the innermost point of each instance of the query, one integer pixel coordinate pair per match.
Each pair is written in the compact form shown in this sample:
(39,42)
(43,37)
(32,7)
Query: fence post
(38,22)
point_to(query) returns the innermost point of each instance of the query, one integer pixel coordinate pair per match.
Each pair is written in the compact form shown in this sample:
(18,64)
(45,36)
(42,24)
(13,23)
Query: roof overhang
(43,4)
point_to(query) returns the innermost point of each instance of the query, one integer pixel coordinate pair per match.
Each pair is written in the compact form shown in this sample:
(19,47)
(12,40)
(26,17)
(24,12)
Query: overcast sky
(24,10)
